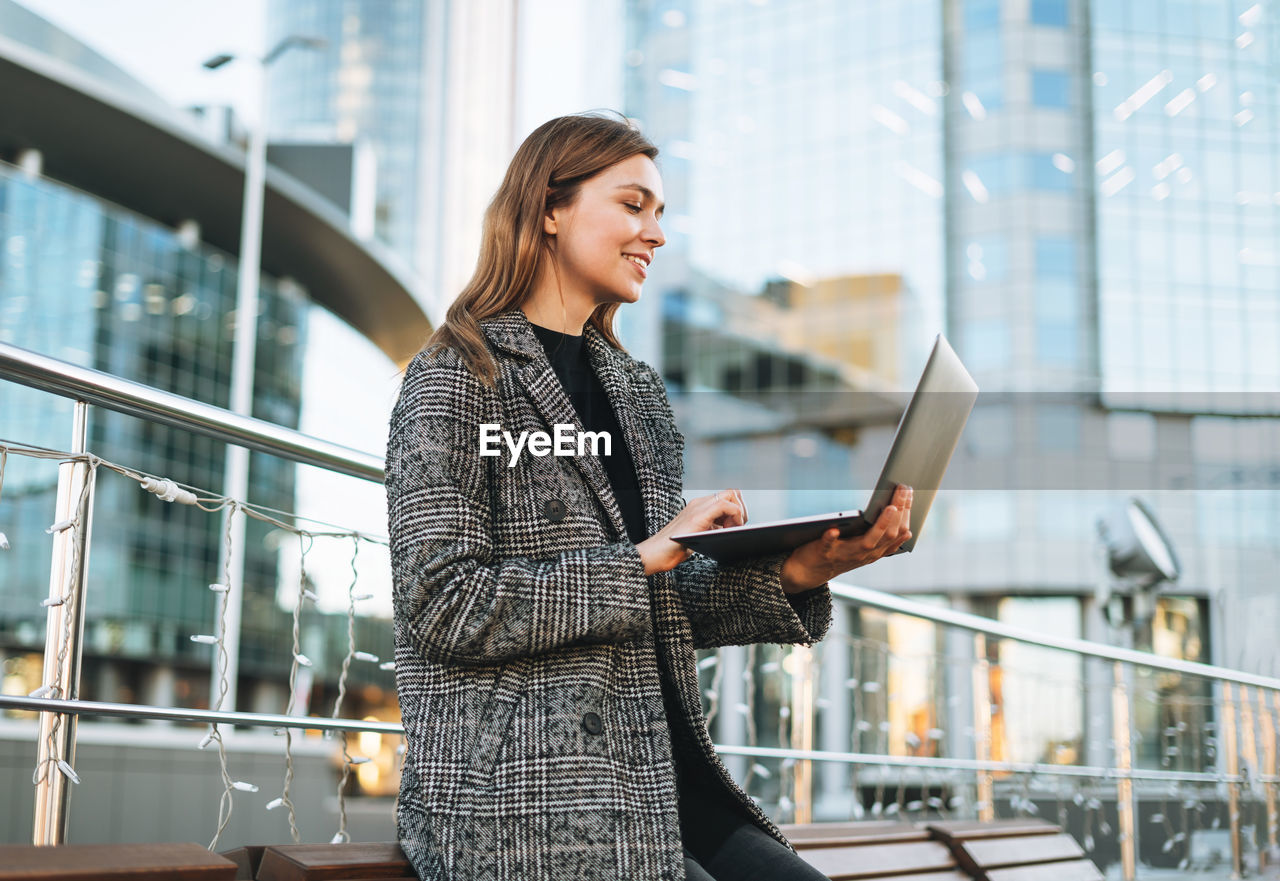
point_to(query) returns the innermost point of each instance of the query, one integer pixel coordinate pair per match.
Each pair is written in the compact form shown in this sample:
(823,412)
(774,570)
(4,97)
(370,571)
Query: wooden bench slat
(851,834)
(334,862)
(990,853)
(967,830)
(879,860)
(850,827)
(1074,870)
(89,862)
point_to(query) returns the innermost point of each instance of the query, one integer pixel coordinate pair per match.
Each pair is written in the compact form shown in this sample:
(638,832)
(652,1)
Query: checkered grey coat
(528,639)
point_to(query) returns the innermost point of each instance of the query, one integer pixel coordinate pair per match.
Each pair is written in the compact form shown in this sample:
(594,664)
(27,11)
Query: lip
(644,272)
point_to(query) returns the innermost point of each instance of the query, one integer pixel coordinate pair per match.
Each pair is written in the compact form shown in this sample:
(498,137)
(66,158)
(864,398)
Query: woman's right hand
(659,553)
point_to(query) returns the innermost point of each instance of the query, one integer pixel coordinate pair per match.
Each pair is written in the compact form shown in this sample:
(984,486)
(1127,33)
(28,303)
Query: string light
(168,491)
(68,771)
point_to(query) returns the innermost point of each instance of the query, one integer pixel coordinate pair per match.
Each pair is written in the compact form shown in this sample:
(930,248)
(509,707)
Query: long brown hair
(546,172)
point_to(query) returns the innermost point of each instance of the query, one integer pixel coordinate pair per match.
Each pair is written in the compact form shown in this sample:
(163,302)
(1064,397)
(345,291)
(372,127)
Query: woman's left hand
(814,564)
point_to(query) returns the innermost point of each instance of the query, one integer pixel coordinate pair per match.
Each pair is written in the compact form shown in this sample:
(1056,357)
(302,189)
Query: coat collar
(512,333)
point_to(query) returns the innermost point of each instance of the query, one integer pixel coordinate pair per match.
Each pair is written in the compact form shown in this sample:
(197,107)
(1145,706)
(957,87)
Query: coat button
(555,510)
(591,722)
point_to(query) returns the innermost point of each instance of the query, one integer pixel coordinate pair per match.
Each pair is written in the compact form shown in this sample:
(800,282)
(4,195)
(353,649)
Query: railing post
(1122,733)
(1232,754)
(1269,768)
(64,637)
(802,710)
(982,727)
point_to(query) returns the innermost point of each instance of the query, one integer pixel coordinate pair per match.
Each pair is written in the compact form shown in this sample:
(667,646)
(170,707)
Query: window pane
(1049,12)
(1049,88)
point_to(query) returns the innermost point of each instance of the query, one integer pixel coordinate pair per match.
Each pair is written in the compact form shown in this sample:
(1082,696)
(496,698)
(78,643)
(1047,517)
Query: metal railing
(981,771)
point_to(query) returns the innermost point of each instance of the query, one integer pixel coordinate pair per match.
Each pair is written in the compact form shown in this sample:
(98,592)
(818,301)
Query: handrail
(268,720)
(936,764)
(182,714)
(135,399)
(892,603)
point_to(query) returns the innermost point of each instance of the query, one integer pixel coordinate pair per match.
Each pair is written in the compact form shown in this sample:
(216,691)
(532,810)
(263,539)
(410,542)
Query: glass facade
(93,284)
(1084,198)
(1185,113)
(368,83)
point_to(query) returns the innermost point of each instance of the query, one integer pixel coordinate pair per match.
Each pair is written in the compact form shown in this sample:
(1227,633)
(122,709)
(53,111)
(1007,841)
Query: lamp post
(243,352)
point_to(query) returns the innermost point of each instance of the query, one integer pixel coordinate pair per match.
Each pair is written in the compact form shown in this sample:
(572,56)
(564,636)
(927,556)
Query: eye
(634,209)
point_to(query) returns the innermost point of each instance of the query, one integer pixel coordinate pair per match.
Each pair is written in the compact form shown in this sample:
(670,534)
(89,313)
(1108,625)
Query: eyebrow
(645,191)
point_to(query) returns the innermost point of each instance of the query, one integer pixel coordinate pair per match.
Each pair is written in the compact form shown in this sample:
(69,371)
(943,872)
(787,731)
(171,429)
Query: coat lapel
(510,332)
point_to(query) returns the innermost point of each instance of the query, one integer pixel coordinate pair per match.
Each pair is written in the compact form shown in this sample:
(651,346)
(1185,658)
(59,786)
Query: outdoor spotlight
(1137,547)
(1138,553)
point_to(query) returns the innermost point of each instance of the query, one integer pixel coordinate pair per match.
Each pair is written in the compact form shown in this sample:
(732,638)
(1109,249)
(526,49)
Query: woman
(545,622)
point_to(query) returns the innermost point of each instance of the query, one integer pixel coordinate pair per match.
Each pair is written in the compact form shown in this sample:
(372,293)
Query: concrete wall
(145,783)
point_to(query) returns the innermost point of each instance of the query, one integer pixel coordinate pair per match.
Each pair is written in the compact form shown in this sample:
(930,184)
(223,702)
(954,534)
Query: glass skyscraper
(430,87)
(1083,197)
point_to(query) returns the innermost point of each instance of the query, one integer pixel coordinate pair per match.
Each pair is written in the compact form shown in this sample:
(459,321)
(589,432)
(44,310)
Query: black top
(568,356)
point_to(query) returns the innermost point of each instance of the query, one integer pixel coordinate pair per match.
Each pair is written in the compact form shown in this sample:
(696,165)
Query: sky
(164,42)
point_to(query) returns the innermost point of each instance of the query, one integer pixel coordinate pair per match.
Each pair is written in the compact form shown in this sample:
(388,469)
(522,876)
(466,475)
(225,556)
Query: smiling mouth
(638,264)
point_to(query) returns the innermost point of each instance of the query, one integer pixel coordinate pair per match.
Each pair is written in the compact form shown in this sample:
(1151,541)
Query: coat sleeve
(457,599)
(745,603)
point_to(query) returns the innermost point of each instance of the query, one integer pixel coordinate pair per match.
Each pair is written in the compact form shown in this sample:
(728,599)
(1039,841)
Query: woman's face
(605,241)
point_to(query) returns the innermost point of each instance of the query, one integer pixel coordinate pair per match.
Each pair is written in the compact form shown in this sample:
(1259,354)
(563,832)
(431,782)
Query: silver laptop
(926,437)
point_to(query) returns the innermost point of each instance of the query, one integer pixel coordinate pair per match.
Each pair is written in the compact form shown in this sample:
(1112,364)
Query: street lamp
(243,352)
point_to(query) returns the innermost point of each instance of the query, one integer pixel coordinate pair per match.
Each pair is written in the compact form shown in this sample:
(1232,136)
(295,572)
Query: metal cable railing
(1238,745)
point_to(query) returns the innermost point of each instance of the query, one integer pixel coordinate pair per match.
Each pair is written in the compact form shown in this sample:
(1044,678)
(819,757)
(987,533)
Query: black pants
(722,844)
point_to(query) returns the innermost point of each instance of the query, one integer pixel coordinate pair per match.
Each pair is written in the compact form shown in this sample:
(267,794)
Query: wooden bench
(90,862)
(383,861)
(1015,850)
(1005,850)
(874,849)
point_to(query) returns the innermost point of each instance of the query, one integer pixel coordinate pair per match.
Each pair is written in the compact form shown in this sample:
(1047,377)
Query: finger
(726,511)
(878,530)
(904,522)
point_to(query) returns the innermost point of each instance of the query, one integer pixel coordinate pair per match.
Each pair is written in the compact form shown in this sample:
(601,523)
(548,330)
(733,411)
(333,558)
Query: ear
(548,217)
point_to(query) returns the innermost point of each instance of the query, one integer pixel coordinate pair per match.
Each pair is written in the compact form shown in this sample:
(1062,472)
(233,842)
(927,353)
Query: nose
(653,233)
